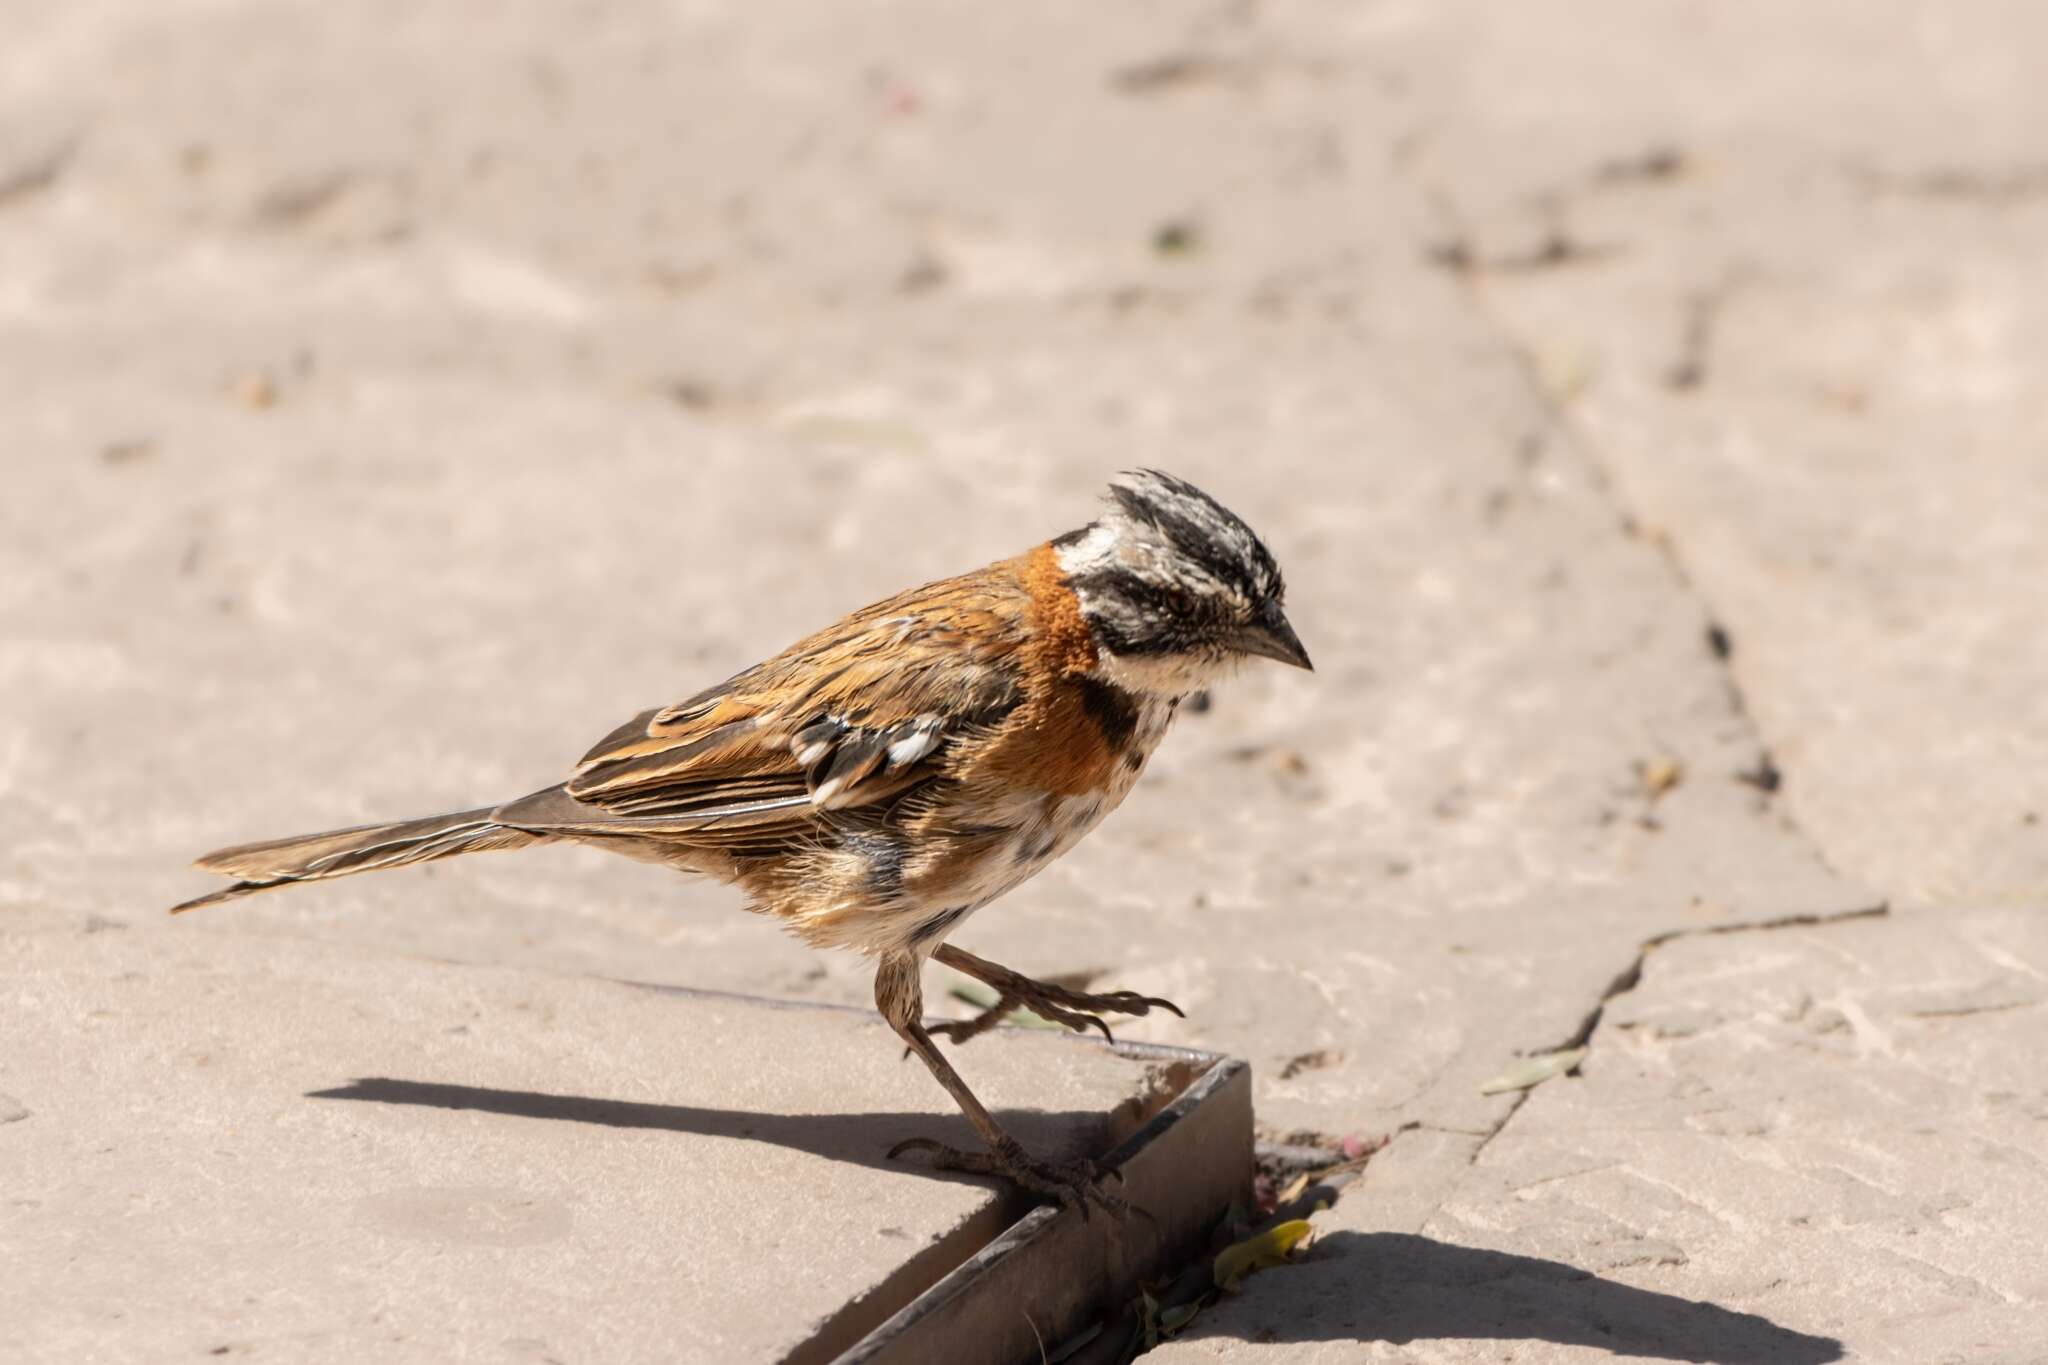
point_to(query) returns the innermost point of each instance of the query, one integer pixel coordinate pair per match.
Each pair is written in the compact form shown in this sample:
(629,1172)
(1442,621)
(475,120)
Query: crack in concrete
(1964,1011)
(1515,1107)
(1765,777)
(1696,348)
(1631,976)
(1455,253)
(1704,308)
(1998,186)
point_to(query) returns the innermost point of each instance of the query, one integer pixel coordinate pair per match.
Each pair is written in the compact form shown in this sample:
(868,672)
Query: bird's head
(1175,588)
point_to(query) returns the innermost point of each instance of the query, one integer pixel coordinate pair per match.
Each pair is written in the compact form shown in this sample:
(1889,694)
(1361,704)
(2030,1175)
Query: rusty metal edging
(1043,1279)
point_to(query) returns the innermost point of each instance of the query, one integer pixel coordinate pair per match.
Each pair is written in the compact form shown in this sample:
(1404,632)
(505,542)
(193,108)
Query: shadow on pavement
(1380,1286)
(1399,1288)
(860,1139)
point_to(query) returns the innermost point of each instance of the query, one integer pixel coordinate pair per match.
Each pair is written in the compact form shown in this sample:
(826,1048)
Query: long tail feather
(366,848)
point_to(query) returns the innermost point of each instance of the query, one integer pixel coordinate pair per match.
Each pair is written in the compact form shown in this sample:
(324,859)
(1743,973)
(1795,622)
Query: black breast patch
(1113,709)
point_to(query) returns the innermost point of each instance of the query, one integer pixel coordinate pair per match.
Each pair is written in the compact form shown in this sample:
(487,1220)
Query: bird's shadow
(858,1139)
(1401,1288)
(1377,1286)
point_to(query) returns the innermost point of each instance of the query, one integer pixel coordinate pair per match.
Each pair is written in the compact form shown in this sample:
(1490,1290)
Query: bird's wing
(853,716)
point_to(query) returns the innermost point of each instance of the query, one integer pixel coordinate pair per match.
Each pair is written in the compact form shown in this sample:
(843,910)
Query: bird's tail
(316,857)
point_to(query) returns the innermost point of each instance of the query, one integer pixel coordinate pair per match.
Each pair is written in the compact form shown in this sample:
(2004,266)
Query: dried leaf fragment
(975,993)
(1534,1071)
(984,997)
(1660,775)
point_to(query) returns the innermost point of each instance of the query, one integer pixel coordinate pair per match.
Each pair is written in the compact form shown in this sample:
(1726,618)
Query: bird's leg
(1074,1009)
(899,995)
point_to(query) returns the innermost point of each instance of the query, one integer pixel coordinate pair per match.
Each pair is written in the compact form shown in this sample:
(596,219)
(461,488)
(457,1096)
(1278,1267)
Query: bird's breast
(1004,832)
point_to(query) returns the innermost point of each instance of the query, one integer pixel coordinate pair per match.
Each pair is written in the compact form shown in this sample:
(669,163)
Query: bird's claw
(1077,1011)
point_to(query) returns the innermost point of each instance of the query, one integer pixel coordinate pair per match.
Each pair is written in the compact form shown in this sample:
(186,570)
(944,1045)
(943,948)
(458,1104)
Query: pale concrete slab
(242,1145)
(1803,333)
(475,521)
(1780,275)
(394,407)
(1801,1144)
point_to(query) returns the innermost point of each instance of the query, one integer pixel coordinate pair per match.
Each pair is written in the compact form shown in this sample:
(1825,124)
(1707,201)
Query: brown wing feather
(859,713)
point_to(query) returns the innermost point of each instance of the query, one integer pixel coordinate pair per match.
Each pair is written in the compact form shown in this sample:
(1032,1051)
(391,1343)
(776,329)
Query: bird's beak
(1271,637)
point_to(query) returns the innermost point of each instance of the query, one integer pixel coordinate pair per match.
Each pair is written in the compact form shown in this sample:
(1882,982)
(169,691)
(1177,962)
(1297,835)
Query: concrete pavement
(1636,395)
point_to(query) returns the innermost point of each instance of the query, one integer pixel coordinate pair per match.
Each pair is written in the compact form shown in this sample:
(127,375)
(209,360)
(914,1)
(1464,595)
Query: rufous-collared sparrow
(875,784)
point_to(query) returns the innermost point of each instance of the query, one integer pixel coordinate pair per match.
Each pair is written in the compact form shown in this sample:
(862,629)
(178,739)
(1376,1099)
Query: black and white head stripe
(1168,567)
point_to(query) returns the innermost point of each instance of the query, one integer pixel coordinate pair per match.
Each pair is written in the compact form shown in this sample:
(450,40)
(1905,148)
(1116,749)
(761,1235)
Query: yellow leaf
(1260,1252)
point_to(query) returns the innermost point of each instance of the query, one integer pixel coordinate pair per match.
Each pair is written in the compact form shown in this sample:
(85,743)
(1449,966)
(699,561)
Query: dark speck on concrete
(1176,237)
(1765,776)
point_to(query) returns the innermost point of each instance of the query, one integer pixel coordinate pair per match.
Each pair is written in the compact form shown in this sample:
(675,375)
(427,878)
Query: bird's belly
(1041,829)
(1020,855)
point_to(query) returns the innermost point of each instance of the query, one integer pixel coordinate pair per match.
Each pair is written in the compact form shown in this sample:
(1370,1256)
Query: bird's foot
(1078,1011)
(1075,1182)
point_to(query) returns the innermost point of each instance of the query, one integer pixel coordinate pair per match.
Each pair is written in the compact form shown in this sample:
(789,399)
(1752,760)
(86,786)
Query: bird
(880,781)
